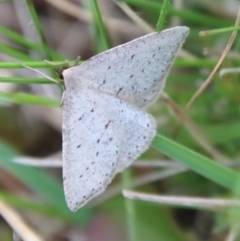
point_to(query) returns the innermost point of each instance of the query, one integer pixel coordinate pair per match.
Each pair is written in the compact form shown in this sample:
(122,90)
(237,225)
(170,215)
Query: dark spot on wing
(97,153)
(106,126)
(92,110)
(131,76)
(119,90)
(132,56)
(78,146)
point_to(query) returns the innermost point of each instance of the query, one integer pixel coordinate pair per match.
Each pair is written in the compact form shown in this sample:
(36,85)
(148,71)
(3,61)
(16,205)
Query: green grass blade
(192,17)
(100,24)
(33,64)
(162,15)
(38,28)
(21,80)
(27,99)
(196,162)
(40,182)
(13,52)
(27,43)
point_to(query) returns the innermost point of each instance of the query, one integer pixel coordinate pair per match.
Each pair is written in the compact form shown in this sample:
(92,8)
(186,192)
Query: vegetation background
(195,154)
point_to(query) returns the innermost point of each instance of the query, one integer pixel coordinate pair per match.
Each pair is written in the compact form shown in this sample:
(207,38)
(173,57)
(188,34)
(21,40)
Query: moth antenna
(66,66)
(66,63)
(41,73)
(76,63)
(53,64)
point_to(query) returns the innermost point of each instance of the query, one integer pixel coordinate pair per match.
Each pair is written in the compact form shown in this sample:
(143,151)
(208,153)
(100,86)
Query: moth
(104,126)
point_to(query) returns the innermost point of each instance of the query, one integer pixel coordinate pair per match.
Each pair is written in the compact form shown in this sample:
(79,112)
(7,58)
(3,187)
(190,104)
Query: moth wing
(102,135)
(135,71)
(134,128)
(90,147)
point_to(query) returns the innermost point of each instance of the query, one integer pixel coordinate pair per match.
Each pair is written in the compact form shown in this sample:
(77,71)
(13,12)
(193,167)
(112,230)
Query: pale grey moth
(104,128)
